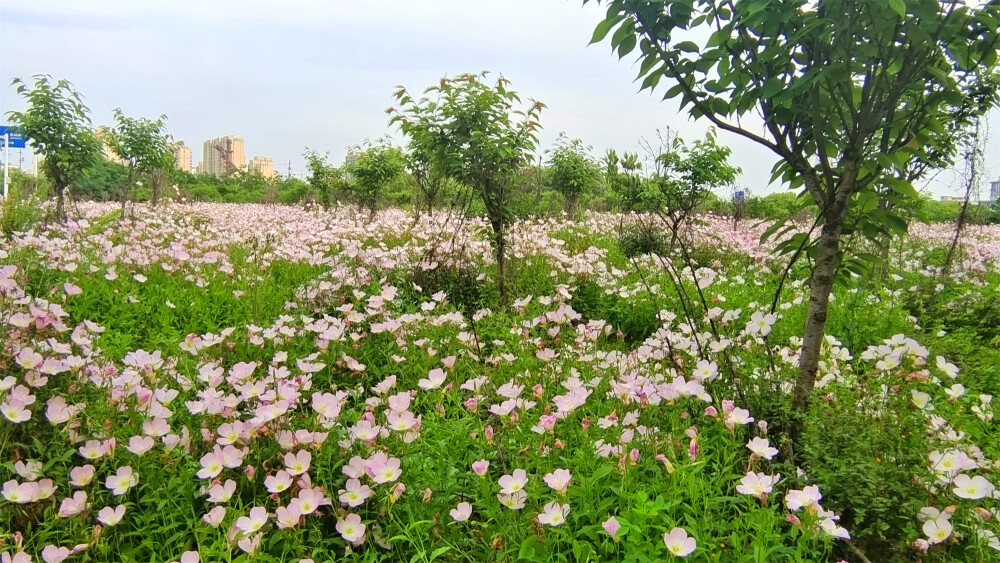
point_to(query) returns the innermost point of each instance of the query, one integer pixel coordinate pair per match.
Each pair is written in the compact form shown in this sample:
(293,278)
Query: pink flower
(123,480)
(111,516)
(211,465)
(308,501)
(326,405)
(757,484)
(15,410)
(215,516)
(611,526)
(249,545)
(554,514)
(190,557)
(513,501)
(679,543)
(365,431)
(510,484)
(480,467)
(139,444)
(558,480)
(223,492)
(738,416)
(807,497)
(55,554)
(461,512)
(287,517)
(278,482)
(20,493)
(252,523)
(354,493)
(298,463)
(356,468)
(435,378)
(762,448)
(383,469)
(351,528)
(73,505)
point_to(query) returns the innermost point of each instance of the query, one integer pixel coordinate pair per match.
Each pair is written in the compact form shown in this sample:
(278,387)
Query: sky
(291,74)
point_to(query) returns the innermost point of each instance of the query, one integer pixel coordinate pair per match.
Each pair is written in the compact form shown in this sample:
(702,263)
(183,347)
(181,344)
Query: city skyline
(322,79)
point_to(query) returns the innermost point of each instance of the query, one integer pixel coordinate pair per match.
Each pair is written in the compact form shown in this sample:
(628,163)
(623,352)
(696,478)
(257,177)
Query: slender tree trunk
(972,157)
(820,288)
(60,203)
(501,255)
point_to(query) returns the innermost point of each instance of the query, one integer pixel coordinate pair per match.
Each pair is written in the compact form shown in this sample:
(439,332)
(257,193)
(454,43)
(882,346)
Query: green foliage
(142,145)
(843,131)
(57,125)
(22,208)
(640,240)
(473,131)
(324,179)
(372,168)
(686,175)
(99,181)
(572,170)
(623,177)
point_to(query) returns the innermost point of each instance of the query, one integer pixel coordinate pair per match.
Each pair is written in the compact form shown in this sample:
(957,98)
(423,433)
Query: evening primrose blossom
(679,543)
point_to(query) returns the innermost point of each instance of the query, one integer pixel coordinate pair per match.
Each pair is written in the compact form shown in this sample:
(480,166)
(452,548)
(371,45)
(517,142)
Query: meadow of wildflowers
(263,383)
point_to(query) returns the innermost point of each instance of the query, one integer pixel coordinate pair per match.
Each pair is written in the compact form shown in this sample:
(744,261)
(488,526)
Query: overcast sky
(289,74)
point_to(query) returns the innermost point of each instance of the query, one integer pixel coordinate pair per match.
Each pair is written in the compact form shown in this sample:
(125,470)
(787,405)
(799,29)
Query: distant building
(952,198)
(182,157)
(103,133)
(223,155)
(994,191)
(264,165)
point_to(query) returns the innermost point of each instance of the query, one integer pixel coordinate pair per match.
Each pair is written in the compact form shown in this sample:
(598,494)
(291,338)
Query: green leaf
(603,28)
(439,552)
(687,47)
(899,7)
(896,223)
(626,46)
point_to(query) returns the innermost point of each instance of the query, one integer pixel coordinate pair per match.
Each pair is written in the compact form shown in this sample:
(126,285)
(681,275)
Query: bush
(21,209)
(638,240)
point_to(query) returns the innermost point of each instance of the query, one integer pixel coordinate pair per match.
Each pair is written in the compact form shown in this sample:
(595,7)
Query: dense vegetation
(466,348)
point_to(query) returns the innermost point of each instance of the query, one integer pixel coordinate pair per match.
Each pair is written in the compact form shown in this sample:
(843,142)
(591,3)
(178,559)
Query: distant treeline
(534,194)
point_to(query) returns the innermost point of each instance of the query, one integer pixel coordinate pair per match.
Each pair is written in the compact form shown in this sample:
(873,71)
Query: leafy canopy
(847,89)
(57,124)
(472,129)
(141,143)
(572,169)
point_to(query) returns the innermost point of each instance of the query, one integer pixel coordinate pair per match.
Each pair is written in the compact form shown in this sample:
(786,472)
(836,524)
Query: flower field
(214,382)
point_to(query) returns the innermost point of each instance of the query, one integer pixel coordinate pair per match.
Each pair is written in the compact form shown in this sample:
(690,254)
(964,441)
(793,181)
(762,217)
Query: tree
(97,181)
(58,126)
(850,92)
(572,170)
(623,176)
(479,137)
(374,166)
(686,175)
(143,146)
(323,177)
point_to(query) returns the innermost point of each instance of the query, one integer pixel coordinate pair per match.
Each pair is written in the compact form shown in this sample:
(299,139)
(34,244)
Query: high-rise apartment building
(182,157)
(223,155)
(995,191)
(264,165)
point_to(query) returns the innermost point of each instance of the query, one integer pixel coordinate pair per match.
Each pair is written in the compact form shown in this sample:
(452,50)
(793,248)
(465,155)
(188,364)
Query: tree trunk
(501,256)
(820,287)
(61,203)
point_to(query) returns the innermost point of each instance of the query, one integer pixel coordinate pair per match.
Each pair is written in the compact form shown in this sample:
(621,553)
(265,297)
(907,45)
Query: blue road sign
(17,140)
(739,196)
